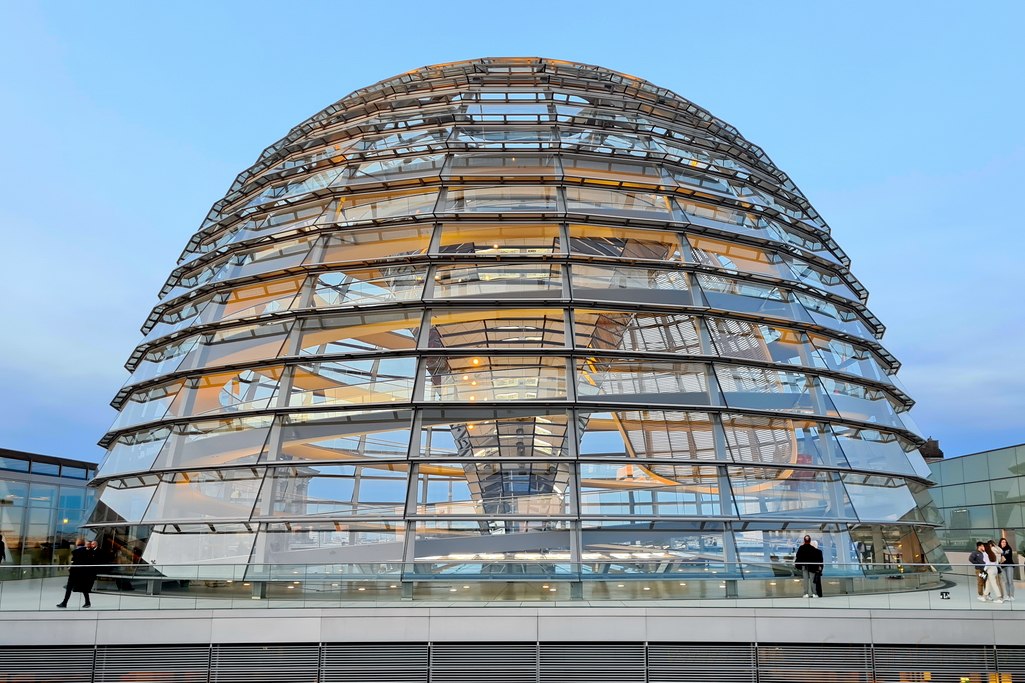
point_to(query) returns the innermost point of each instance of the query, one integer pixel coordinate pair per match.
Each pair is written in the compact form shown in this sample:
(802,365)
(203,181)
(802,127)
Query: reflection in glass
(124,501)
(360,332)
(226,494)
(228,346)
(134,452)
(491,546)
(644,434)
(625,243)
(493,488)
(504,198)
(147,405)
(744,296)
(857,402)
(195,545)
(506,327)
(636,204)
(509,433)
(785,493)
(627,380)
(737,257)
(520,280)
(760,342)
(870,449)
(329,543)
(353,382)
(501,239)
(472,379)
(835,317)
(635,548)
(359,208)
(501,166)
(390,169)
(880,498)
(764,389)
(631,284)
(374,243)
(315,490)
(223,442)
(781,441)
(637,331)
(371,286)
(633,490)
(228,392)
(322,436)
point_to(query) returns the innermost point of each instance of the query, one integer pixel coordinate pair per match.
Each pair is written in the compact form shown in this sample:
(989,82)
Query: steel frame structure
(500,312)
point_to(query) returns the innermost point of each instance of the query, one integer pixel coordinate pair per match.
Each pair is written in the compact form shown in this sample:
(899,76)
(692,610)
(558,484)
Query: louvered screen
(947,664)
(374,663)
(814,664)
(601,663)
(63,664)
(1011,660)
(185,663)
(690,663)
(490,662)
(270,663)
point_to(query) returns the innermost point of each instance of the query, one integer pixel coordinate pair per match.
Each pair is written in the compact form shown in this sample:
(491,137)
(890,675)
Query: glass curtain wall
(509,313)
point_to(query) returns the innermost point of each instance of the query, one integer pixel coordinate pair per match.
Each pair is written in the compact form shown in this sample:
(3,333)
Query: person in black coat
(809,560)
(80,576)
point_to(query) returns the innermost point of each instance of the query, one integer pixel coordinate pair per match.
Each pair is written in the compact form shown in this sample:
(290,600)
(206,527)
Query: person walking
(809,560)
(80,576)
(992,569)
(978,559)
(1007,567)
(3,548)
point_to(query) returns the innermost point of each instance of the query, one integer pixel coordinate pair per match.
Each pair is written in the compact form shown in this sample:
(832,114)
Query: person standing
(978,559)
(992,568)
(80,577)
(1007,566)
(3,549)
(809,560)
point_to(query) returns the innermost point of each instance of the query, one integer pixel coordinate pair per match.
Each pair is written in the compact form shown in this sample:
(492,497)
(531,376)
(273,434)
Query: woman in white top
(992,565)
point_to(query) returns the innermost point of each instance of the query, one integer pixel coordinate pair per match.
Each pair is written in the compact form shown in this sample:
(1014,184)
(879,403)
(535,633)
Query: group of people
(82,573)
(994,570)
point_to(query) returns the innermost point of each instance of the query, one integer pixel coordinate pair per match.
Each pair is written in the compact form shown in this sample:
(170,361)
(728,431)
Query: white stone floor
(43,594)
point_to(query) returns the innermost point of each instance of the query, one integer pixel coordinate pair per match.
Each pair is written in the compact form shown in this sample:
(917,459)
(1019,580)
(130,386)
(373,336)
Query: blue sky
(124,122)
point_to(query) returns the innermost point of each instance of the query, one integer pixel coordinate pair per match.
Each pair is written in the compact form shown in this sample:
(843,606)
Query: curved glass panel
(493,488)
(509,433)
(648,434)
(316,490)
(486,328)
(637,331)
(499,240)
(495,378)
(521,280)
(360,332)
(342,436)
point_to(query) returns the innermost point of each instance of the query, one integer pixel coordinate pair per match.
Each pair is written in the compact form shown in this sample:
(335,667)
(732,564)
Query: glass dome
(500,313)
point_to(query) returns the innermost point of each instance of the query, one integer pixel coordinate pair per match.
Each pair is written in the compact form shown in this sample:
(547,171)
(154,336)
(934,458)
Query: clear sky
(122,123)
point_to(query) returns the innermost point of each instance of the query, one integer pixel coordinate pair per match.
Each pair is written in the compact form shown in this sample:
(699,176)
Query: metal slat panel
(814,663)
(270,663)
(689,663)
(1011,660)
(491,662)
(63,664)
(374,663)
(170,663)
(604,663)
(938,664)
